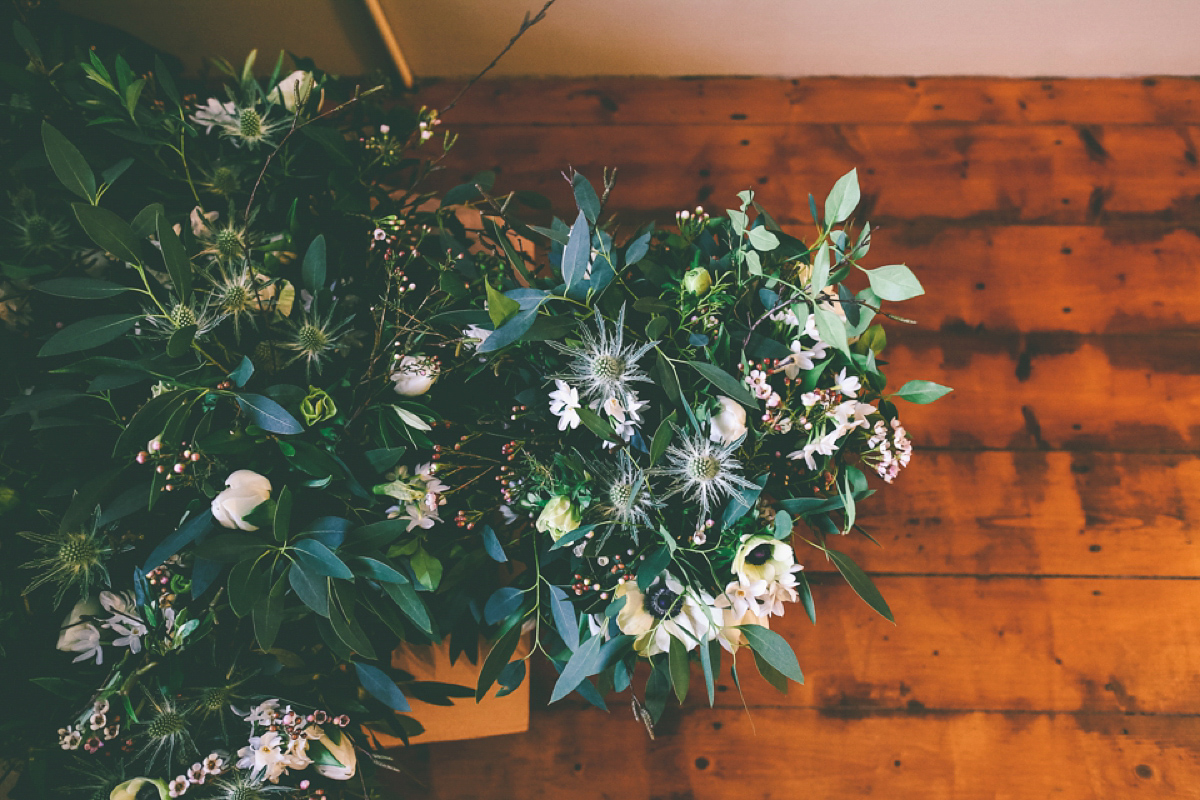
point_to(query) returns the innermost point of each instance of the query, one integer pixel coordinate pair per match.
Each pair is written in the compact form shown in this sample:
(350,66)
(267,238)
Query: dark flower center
(760,555)
(660,601)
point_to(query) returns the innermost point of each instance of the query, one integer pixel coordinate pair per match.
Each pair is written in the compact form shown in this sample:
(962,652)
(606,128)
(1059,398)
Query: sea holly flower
(625,498)
(602,365)
(703,471)
(245,126)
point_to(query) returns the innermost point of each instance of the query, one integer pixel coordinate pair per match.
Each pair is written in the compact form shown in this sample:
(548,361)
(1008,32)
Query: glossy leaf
(89,333)
(268,415)
(773,649)
(585,197)
(68,163)
(81,288)
(110,233)
(922,392)
(497,660)
(577,252)
(584,662)
(680,668)
(842,199)
(381,687)
(313,270)
(861,583)
(565,620)
(730,386)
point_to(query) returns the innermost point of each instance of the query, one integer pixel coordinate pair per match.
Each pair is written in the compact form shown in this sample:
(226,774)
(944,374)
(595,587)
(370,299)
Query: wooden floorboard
(641,101)
(1040,553)
(1036,513)
(716,755)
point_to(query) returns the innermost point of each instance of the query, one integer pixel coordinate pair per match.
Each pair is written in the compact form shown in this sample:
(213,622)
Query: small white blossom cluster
(419,495)
(826,406)
(213,765)
(104,726)
(284,741)
(890,449)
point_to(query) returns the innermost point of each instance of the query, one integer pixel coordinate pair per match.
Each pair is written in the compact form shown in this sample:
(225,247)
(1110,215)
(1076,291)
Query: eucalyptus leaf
(313,270)
(577,253)
(774,649)
(68,163)
(81,288)
(110,233)
(89,333)
(268,415)
(730,386)
(894,282)
(381,687)
(842,199)
(861,583)
(922,392)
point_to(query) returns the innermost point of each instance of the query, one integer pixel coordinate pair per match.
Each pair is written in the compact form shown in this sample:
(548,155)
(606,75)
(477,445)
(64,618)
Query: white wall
(805,37)
(690,37)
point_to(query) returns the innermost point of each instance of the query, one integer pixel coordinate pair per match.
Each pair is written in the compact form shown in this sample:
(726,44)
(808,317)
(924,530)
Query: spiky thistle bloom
(244,125)
(625,498)
(203,314)
(316,337)
(166,734)
(69,559)
(602,366)
(703,471)
(227,242)
(240,786)
(239,296)
(223,179)
(38,234)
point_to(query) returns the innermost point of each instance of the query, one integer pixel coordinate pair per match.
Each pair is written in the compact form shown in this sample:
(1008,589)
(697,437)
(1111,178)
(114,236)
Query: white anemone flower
(666,611)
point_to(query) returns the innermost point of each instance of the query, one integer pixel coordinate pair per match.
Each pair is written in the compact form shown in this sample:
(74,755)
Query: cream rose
(559,517)
(763,558)
(414,375)
(247,490)
(293,90)
(342,749)
(730,424)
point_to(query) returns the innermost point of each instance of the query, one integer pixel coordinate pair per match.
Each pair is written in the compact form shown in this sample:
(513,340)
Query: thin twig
(526,25)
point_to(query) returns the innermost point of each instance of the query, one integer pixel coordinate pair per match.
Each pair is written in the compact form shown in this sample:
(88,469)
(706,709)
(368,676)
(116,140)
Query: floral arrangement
(274,409)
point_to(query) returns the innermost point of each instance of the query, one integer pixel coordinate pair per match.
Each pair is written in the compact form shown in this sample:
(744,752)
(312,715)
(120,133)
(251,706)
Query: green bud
(9,499)
(317,407)
(697,281)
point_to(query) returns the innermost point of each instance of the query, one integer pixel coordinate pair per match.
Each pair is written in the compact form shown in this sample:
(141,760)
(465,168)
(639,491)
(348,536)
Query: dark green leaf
(511,677)
(706,666)
(89,333)
(585,197)
(597,424)
(426,569)
(81,288)
(497,660)
(577,252)
(573,537)
(111,233)
(341,617)
(466,192)
(806,598)
(268,415)
(405,596)
(502,602)
(742,502)
(565,620)
(584,662)
(769,673)
(861,583)
(314,265)
(662,438)
(511,331)
(187,533)
(283,515)
(165,81)
(680,667)
(268,615)
(730,386)
(68,163)
(318,559)
(180,342)
(491,545)
(774,649)
(249,582)
(377,570)
(311,588)
(922,391)
(242,373)
(179,266)
(652,567)
(381,687)
(384,458)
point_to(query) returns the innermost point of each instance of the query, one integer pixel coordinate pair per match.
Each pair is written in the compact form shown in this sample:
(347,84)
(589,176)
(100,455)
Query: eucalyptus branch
(528,23)
(297,125)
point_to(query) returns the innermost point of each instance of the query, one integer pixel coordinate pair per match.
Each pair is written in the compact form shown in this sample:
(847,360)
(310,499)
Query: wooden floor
(1040,555)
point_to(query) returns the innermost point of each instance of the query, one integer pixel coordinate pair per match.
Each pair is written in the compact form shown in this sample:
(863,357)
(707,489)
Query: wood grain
(1006,174)
(711,755)
(1030,391)
(642,101)
(1035,513)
